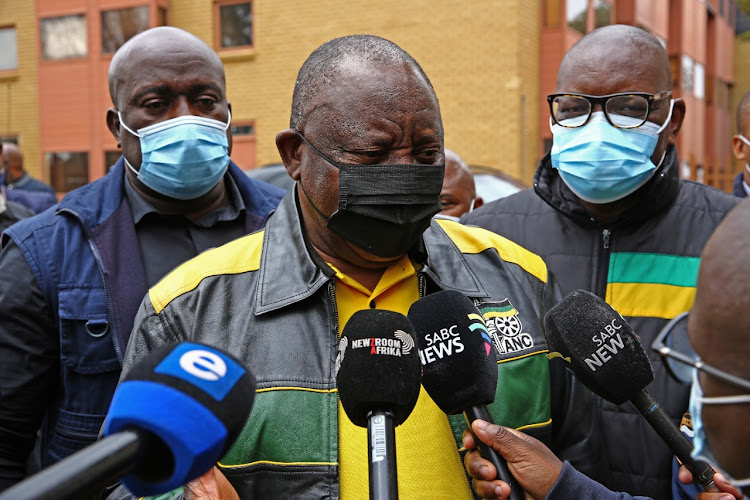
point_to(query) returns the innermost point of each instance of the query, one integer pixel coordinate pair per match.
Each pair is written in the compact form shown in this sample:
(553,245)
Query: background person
(609,214)
(16,176)
(74,276)
(459,194)
(741,147)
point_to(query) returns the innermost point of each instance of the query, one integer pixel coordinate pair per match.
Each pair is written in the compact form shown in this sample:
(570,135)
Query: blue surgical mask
(184,157)
(601,163)
(701,448)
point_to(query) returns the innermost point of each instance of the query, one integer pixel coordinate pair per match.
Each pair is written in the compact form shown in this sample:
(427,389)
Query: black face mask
(383,209)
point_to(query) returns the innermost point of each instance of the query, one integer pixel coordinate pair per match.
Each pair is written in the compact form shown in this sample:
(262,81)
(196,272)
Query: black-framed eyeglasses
(625,110)
(673,344)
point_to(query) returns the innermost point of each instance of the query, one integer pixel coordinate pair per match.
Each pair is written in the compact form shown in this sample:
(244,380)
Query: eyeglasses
(627,110)
(673,344)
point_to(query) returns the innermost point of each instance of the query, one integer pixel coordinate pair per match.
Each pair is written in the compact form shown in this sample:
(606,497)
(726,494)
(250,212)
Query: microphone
(607,356)
(378,377)
(171,419)
(459,364)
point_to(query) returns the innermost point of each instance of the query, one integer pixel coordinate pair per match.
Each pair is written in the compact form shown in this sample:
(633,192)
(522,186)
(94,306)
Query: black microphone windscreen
(195,398)
(458,357)
(605,354)
(377,367)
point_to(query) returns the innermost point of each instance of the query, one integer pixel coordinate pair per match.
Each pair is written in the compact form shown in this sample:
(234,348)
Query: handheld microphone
(378,377)
(607,357)
(171,419)
(459,364)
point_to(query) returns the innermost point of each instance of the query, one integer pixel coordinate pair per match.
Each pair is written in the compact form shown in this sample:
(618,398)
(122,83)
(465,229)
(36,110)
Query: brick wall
(19,108)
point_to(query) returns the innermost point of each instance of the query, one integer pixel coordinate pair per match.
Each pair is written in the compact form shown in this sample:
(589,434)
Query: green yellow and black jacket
(645,265)
(269,300)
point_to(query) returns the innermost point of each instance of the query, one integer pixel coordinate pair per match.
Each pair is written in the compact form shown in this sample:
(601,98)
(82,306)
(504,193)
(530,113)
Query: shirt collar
(141,208)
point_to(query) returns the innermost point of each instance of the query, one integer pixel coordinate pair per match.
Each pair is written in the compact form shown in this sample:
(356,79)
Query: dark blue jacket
(38,201)
(85,257)
(738,189)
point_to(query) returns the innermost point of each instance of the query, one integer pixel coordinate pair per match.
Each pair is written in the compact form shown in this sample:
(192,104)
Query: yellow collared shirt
(427,460)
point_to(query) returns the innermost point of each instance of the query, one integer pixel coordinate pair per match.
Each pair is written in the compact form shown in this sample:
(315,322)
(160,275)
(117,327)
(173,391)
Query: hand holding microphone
(608,358)
(459,365)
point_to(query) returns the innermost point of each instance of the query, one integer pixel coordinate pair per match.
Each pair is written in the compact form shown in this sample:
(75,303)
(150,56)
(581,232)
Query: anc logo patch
(477,323)
(505,327)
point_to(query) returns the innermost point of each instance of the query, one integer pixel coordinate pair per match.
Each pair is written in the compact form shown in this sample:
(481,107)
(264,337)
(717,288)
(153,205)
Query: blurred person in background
(741,147)
(458,195)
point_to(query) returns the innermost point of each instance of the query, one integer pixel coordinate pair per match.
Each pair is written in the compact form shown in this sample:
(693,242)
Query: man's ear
(478,202)
(289,146)
(737,148)
(675,123)
(113,124)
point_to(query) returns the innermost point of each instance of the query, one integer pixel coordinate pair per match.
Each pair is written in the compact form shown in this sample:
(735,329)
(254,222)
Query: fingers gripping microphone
(378,377)
(174,415)
(608,358)
(459,364)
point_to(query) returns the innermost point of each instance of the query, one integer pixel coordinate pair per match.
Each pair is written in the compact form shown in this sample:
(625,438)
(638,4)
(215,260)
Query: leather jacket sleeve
(29,350)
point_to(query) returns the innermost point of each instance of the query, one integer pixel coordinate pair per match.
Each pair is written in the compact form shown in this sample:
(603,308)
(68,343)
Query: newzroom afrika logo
(504,326)
(400,345)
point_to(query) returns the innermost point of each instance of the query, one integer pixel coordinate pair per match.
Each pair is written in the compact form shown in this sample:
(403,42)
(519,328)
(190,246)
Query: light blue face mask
(601,163)
(701,448)
(184,157)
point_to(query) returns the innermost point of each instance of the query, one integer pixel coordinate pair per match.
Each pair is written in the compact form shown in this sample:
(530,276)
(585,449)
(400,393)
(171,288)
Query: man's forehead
(598,71)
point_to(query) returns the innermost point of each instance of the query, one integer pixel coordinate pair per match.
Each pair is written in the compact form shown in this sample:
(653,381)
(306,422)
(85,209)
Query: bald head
(149,48)
(12,160)
(320,70)
(458,194)
(615,49)
(719,321)
(743,115)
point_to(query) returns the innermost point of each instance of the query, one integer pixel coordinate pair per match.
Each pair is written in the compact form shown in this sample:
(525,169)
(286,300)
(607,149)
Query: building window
(552,13)
(235,27)
(575,11)
(699,81)
(64,37)
(602,13)
(686,73)
(161,16)
(67,171)
(119,26)
(243,145)
(9,54)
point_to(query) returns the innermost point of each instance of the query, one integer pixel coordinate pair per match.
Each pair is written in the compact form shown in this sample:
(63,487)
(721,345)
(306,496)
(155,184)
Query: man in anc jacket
(365,123)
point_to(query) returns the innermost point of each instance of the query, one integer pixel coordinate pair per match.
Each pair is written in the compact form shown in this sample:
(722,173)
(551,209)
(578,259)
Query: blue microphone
(173,416)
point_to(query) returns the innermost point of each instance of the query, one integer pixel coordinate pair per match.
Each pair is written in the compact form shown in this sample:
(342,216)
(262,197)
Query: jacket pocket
(86,344)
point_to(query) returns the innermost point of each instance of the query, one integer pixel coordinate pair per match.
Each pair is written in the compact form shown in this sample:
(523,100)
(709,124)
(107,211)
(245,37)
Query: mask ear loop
(119,117)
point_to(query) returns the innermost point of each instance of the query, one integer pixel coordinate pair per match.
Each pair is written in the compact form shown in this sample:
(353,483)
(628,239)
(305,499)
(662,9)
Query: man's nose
(181,107)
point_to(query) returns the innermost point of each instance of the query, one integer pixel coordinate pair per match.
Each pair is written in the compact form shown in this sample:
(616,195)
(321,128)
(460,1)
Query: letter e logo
(203,364)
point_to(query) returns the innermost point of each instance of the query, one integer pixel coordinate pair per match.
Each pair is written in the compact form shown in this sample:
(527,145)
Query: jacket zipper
(606,240)
(332,294)
(99,266)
